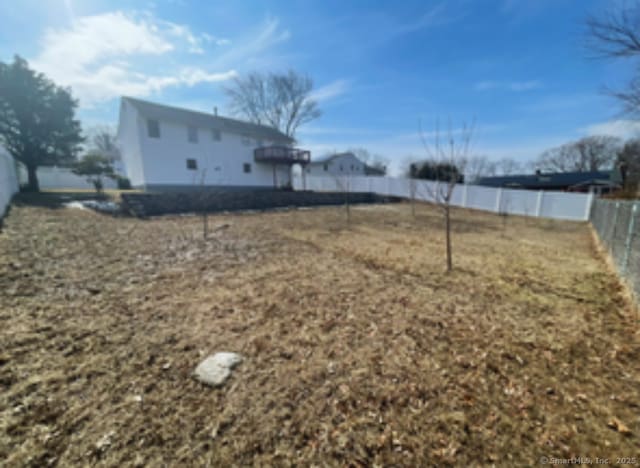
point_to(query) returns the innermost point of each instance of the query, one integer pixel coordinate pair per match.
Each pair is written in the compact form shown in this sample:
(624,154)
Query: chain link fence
(618,224)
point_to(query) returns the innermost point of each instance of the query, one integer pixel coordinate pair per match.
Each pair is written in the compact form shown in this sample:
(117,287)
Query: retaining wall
(155,204)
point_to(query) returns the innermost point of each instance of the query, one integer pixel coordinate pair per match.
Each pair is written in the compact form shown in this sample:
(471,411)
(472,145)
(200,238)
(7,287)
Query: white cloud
(216,40)
(331,90)
(617,128)
(95,56)
(268,35)
(515,86)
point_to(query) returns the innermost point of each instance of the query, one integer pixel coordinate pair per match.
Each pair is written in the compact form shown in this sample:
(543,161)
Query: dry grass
(359,349)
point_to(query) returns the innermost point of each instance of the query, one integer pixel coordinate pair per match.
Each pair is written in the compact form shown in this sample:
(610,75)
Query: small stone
(216,369)
(105,441)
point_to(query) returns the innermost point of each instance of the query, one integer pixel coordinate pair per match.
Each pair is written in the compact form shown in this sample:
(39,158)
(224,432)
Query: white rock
(75,204)
(216,369)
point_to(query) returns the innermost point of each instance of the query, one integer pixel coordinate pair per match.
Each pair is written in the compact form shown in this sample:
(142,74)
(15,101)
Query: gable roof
(330,157)
(204,120)
(550,180)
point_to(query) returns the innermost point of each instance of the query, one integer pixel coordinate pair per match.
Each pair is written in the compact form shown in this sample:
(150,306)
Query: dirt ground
(359,350)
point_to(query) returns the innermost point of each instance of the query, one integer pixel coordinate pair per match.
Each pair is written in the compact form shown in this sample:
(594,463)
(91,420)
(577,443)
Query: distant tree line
(591,153)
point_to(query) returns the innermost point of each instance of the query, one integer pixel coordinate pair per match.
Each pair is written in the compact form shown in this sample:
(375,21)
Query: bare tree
(203,200)
(629,165)
(413,187)
(449,150)
(593,153)
(102,139)
(598,152)
(281,100)
(508,166)
(616,35)
(343,183)
(479,166)
(375,164)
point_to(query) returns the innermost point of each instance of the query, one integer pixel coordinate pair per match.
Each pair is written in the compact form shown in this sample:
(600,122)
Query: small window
(192,133)
(341,167)
(246,167)
(153,128)
(326,167)
(215,133)
(352,167)
(192,164)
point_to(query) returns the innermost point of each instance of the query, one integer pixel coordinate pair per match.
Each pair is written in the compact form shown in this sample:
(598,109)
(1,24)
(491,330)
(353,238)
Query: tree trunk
(33,184)
(447,224)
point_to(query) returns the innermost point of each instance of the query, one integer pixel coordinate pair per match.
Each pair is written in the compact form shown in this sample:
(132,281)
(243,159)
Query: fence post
(613,226)
(629,240)
(498,199)
(464,196)
(539,203)
(587,210)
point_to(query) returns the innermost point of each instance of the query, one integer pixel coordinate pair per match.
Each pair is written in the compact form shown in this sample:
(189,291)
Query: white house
(167,148)
(336,165)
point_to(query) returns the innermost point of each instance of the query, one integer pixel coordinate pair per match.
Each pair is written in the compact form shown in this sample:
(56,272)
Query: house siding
(350,166)
(129,137)
(220,163)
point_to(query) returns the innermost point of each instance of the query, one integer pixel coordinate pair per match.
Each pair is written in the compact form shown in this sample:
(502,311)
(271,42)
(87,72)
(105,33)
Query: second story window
(192,164)
(192,133)
(215,133)
(153,128)
(326,167)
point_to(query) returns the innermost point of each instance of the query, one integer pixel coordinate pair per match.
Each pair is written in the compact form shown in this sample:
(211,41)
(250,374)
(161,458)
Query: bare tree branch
(617,35)
(593,153)
(451,154)
(282,101)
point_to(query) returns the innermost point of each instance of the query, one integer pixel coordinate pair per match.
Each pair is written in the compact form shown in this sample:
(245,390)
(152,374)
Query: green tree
(94,166)
(437,170)
(37,124)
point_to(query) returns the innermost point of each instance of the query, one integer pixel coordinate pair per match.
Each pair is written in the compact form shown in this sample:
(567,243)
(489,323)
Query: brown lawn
(359,349)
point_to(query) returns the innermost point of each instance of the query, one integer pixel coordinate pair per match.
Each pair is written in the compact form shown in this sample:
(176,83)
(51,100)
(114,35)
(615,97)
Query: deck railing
(281,154)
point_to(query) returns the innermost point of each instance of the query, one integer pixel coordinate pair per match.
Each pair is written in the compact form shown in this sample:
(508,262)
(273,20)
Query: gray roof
(551,180)
(204,120)
(329,157)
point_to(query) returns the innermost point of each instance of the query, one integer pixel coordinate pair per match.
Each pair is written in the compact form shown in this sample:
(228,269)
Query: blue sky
(519,68)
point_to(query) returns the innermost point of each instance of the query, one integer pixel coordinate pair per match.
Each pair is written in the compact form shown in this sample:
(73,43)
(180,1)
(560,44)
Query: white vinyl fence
(543,204)
(52,177)
(8,181)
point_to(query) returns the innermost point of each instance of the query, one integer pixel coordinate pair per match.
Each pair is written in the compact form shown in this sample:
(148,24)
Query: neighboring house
(375,170)
(168,148)
(336,165)
(598,181)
